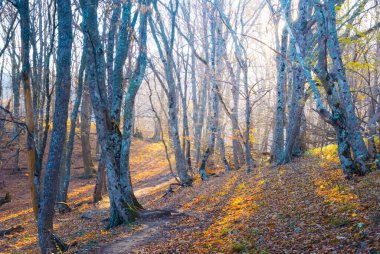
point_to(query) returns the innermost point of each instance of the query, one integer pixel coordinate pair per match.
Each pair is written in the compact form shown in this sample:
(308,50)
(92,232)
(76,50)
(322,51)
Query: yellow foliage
(328,153)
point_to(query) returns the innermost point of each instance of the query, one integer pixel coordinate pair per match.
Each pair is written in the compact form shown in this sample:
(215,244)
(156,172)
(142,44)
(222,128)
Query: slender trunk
(16,102)
(122,50)
(222,148)
(65,181)
(168,62)
(134,86)
(214,107)
(248,156)
(85,128)
(157,131)
(298,98)
(63,84)
(185,122)
(375,108)
(237,149)
(203,95)
(219,53)
(111,44)
(23,8)
(48,95)
(278,133)
(186,13)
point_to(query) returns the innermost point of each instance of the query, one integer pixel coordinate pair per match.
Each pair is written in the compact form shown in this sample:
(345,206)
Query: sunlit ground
(304,206)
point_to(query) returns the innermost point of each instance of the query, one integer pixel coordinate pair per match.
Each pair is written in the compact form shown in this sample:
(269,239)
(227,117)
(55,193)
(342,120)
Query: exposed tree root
(62,207)
(61,245)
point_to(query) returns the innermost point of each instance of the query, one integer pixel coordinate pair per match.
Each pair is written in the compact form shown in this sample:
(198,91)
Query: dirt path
(151,231)
(154,234)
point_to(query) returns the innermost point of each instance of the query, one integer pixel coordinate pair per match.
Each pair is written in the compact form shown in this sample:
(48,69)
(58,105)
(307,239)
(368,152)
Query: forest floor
(304,207)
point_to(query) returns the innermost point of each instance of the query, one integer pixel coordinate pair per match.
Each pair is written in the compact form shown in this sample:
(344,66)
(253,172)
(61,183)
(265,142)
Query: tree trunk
(16,103)
(168,62)
(85,128)
(278,132)
(338,120)
(214,109)
(356,139)
(23,8)
(114,146)
(248,156)
(100,181)
(298,99)
(222,148)
(157,131)
(63,84)
(375,107)
(111,44)
(65,180)
(198,126)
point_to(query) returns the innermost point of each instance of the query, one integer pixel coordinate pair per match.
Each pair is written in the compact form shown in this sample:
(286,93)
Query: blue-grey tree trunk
(63,84)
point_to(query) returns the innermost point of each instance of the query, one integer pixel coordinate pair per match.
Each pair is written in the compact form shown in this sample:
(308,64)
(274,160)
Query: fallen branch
(11,230)
(157,214)
(88,202)
(6,199)
(60,243)
(170,189)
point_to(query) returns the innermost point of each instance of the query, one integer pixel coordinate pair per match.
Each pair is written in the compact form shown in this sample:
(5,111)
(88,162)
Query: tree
(357,143)
(166,56)
(85,129)
(47,240)
(114,145)
(16,80)
(282,47)
(297,96)
(23,9)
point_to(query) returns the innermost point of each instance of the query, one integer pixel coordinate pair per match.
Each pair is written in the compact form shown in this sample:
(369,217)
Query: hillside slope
(306,206)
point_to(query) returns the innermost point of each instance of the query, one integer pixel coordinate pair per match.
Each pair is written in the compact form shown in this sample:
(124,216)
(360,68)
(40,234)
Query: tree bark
(278,132)
(111,45)
(63,83)
(298,98)
(337,119)
(23,9)
(115,147)
(16,78)
(356,139)
(65,181)
(85,128)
